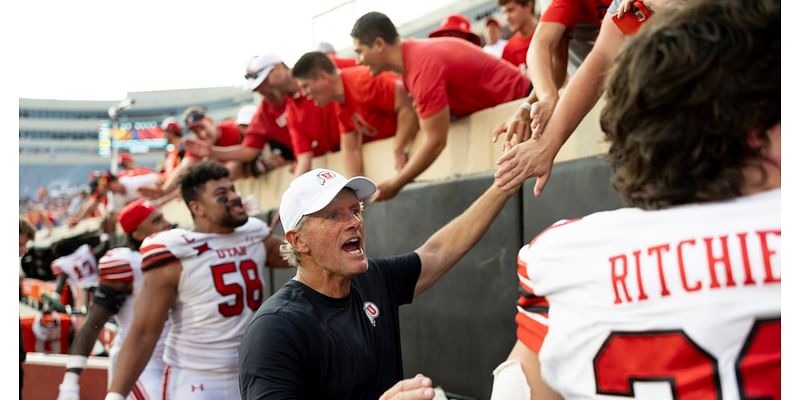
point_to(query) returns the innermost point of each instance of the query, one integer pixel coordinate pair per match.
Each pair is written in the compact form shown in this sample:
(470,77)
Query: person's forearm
(85,210)
(87,336)
(581,94)
(353,163)
(443,250)
(422,157)
(532,97)
(579,97)
(156,296)
(234,153)
(174,194)
(540,58)
(303,163)
(174,178)
(407,128)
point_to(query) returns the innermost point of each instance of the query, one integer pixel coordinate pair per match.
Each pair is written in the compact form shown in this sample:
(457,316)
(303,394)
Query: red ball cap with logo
(134,213)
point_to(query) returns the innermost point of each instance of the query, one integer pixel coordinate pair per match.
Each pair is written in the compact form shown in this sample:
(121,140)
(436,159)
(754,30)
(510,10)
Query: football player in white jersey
(120,279)
(679,296)
(79,269)
(208,280)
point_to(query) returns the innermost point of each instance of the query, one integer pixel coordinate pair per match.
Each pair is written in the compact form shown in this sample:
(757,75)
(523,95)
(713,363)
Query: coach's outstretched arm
(159,287)
(443,250)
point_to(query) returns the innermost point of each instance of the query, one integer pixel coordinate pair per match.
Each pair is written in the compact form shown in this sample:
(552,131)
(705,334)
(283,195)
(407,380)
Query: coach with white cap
(333,330)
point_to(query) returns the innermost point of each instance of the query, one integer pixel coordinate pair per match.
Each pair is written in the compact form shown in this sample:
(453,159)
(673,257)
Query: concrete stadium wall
(462,327)
(469,151)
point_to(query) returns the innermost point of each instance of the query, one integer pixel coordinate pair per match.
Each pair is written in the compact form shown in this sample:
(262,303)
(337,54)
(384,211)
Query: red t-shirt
(268,123)
(343,63)
(312,128)
(449,71)
(516,49)
(368,104)
(229,135)
(574,12)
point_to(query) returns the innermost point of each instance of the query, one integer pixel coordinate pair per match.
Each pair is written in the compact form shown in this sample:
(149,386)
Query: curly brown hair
(684,97)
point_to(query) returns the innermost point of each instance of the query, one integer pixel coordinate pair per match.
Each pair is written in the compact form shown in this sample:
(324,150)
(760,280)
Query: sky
(100,50)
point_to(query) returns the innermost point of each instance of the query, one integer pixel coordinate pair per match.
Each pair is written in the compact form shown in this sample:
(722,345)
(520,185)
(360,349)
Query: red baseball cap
(492,20)
(134,213)
(171,125)
(125,157)
(456,25)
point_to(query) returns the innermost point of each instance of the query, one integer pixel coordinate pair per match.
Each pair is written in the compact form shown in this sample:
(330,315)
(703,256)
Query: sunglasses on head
(254,75)
(194,117)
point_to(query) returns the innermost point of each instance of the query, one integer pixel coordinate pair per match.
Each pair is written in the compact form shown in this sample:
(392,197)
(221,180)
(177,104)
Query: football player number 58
(251,293)
(672,356)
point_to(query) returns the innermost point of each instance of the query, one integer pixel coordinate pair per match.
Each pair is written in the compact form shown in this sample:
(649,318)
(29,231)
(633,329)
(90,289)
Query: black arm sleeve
(109,298)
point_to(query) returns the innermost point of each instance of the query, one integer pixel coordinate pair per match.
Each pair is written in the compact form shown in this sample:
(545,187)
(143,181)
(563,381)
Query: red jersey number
(83,270)
(251,293)
(671,356)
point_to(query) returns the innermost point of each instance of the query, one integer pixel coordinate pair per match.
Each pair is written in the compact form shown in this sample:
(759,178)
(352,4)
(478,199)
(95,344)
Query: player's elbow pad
(109,298)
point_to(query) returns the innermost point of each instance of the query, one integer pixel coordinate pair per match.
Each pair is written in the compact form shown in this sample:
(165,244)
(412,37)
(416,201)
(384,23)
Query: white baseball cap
(245,114)
(314,190)
(259,67)
(325,47)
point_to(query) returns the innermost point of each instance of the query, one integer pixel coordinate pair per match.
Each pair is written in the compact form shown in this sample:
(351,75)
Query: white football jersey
(125,265)
(220,290)
(679,303)
(80,267)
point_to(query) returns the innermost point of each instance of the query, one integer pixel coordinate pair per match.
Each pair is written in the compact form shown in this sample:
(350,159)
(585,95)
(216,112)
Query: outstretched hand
(386,190)
(416,388)
(198,147)
(525,160)
(541,111)
(519,125)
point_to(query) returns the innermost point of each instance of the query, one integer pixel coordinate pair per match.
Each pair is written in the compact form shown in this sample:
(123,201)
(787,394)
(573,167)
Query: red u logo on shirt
(372,312)
(362,126)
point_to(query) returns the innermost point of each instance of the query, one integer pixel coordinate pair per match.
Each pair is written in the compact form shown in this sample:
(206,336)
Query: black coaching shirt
(304,345)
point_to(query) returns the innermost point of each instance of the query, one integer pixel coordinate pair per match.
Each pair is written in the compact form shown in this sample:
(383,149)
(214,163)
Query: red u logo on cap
(325,176)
